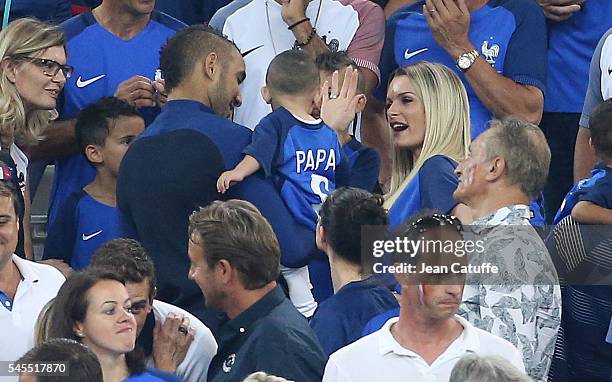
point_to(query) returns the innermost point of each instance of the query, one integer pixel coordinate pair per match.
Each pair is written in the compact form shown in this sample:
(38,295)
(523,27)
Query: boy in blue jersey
(301,153)
(89,217)
(594,200)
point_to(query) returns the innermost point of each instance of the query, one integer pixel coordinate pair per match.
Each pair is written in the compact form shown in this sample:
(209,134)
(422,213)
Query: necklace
(270,27)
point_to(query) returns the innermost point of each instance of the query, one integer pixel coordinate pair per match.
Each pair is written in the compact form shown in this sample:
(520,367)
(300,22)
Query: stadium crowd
(231,175)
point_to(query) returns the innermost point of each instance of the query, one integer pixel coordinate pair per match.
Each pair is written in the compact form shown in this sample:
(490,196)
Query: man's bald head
(180,55)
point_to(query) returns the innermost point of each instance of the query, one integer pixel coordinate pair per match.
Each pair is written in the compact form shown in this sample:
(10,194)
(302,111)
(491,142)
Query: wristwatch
(466,60)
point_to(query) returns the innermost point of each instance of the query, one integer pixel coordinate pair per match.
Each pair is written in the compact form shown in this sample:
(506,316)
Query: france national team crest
(491,52)
(229,362)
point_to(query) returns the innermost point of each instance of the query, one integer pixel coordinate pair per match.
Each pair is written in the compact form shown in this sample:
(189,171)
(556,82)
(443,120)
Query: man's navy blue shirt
(270,336)
(170,170)
(340,319)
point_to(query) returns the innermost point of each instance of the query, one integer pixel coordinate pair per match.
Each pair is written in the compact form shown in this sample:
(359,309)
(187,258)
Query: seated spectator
(427,338)
(472,368)
(25,286)
(428,113)
(172,339)
(94,308)
(594,204)
(81,363)
(340,319)
(90,217)
(234,258)
(507,166)
(364,161)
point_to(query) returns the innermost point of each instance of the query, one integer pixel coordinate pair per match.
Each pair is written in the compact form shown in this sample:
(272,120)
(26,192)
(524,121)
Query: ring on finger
(183,330)
(333,96)
(432,10)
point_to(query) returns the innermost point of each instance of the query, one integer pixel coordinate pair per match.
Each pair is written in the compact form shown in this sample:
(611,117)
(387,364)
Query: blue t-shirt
(364,163)
(377,322)
(340,319)
(571,44)
(83,224)
(153,375)
(597,189)
(509,34)
(101,62)
(304,159)
(431,188)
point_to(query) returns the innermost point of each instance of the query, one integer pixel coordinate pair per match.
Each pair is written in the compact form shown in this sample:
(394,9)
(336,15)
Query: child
(89,218)
(301,153)
(590,201)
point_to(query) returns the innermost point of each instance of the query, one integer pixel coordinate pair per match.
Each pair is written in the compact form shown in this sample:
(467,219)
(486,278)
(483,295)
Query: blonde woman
(33,72)
(428,114)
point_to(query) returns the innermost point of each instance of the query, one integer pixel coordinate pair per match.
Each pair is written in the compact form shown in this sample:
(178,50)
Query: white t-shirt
(379,357)
(40,284)
(260,24)
(201,351)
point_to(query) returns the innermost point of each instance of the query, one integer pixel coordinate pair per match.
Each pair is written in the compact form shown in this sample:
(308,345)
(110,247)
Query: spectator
(358,297)
(428,113)
(25,286)
(33,74)
(574,27)
(356,26)
(507,165)
(94,308)
(52,11)
(89,217)
(594,204)
(599,90)
(427,338)
(472,368)
(160,327)
(81,363)
(191,123)
(234,258)
(99,43)
(364,161)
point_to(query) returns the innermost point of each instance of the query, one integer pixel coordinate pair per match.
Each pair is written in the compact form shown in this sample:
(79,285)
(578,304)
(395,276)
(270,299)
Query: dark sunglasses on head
(437,220)
(50,67)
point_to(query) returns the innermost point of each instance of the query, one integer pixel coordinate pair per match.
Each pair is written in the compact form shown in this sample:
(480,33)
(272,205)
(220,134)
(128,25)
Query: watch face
(464,62)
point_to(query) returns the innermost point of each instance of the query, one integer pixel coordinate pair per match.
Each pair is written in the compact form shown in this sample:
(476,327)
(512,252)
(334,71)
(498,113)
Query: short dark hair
(71,305)
(237,232)
(179,56)
(83,365)
(97,119)
(292,72)
(331,61)
(343,215)
(600,126)
(128,259)
(9,191)
(525,151)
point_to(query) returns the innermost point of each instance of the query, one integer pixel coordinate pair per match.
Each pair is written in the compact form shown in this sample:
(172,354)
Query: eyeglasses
(437,220)
(50,67)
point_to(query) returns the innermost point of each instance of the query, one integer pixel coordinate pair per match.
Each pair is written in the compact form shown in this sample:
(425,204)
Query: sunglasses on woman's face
(50,67)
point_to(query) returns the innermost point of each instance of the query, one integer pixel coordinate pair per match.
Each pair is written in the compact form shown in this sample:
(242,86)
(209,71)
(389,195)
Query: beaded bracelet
(313,32)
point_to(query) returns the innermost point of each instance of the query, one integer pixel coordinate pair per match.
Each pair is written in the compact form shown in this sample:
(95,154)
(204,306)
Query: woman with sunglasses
(33,72)
(428,114)
(94,308)
(358,297)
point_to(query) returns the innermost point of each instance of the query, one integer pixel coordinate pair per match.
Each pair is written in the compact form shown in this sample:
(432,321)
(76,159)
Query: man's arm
(59,141)
(449,22)
(294,11)
(590,213)
(560,10)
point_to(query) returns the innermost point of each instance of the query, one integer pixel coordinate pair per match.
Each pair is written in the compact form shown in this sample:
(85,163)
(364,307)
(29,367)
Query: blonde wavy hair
(24,37)
(447,122)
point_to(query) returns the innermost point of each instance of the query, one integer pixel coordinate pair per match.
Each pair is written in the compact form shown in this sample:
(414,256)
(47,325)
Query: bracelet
(313,32)
(298,23)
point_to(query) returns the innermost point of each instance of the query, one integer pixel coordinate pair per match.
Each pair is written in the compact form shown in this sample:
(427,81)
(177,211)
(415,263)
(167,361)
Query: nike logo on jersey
(81,84)
(408,55)
(91,236)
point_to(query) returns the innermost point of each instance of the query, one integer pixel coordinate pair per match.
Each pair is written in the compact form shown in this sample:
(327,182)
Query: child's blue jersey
(303,157)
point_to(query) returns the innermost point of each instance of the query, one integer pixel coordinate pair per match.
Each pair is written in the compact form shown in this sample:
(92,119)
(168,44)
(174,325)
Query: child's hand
(227,179)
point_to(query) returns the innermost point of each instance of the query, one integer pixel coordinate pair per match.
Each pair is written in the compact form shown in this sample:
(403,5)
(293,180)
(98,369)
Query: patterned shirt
(522,303)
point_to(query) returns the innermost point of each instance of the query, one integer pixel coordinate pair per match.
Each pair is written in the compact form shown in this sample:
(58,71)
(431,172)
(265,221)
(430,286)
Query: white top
(40,284)
(201,351)
(252,26)
(379,357)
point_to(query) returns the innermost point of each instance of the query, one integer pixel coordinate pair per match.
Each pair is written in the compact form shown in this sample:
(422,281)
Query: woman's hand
(338,107)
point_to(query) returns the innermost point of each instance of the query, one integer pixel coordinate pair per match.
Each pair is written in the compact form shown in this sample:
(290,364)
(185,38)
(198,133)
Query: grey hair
(525,151)
(472,368)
